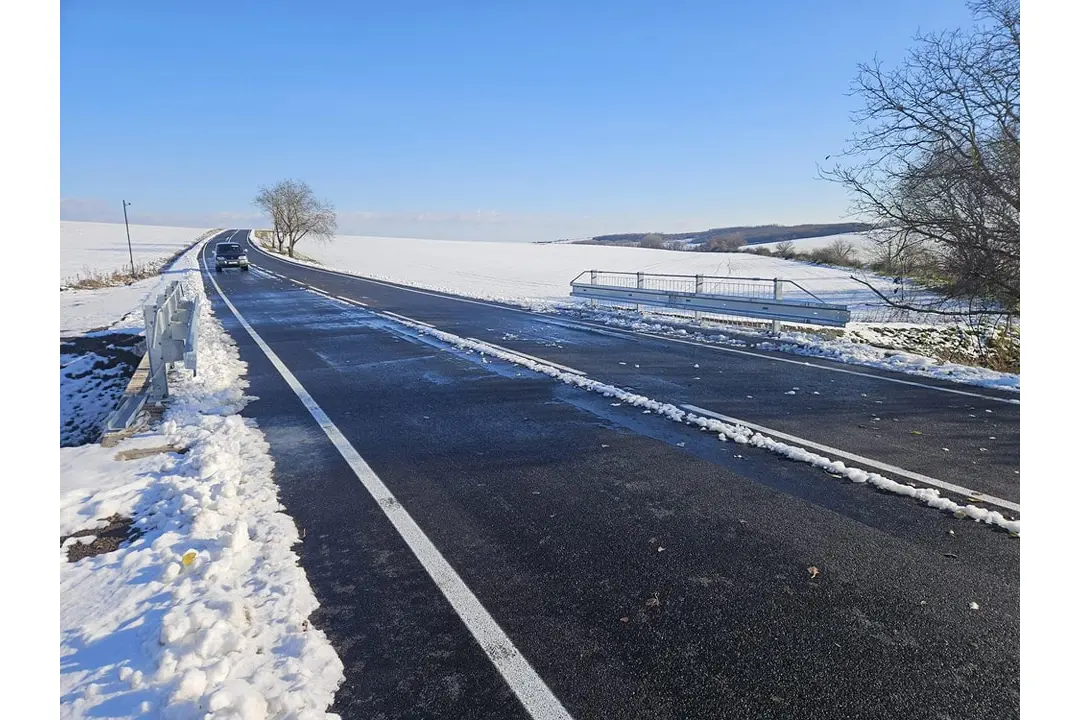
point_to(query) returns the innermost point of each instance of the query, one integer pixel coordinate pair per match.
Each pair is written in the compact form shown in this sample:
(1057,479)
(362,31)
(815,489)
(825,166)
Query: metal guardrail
(761,298)
(172,335)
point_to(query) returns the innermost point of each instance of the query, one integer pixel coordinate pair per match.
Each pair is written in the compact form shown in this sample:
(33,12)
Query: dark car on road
(228,255)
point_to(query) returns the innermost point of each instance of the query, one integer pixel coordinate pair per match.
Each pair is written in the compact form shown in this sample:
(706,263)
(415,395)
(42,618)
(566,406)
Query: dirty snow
(94,370)
(206,611)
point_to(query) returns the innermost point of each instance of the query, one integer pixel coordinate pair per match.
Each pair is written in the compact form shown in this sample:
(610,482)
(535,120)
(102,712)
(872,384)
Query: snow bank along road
(486,541)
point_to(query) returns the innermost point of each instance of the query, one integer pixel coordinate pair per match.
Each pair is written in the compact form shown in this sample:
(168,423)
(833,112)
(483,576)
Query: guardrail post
(699,284)
(641,285)
(593,281)
(159,388)
(778,294)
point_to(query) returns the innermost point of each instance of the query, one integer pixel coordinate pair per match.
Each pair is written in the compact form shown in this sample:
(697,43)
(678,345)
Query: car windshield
(230,250)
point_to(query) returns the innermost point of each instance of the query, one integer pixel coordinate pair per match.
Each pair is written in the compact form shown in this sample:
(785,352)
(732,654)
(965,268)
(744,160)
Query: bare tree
(844,250)
(785,249)
(652,240)
(935,161)
(296,214)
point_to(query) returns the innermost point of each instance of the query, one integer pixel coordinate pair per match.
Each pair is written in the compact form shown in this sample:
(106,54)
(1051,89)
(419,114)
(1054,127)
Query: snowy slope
(528,273)
(862,242)
(117,308)
(205,612)
(102,247)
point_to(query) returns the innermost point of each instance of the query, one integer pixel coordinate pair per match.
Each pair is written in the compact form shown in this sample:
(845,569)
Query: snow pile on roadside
(727,431)
(850,351)
(860,353)
(205,613)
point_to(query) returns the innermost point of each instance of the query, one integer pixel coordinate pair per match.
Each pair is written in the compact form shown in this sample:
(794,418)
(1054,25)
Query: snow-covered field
(539,276)
(861,242)
(117,308)
(204,612)
(532,274)
(102,247)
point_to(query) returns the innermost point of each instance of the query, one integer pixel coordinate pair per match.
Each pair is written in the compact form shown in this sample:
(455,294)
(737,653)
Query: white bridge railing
(772,299)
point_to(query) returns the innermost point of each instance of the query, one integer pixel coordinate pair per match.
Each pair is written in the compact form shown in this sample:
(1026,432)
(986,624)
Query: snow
(851,347)
(725,431)
(93,374)
(539,275)
(118,308)
(861,241)
(102,247)
(207,610)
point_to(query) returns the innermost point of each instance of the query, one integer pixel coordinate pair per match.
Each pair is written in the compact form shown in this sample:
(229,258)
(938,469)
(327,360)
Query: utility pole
(131,257)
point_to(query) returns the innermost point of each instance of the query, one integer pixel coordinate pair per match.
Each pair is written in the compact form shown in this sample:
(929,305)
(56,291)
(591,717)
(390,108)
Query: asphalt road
(642,568)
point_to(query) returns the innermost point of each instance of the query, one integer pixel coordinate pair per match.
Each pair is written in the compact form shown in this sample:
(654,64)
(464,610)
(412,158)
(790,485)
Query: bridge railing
(774,299)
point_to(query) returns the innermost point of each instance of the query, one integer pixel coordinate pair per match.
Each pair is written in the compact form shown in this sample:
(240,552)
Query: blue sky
(485,120)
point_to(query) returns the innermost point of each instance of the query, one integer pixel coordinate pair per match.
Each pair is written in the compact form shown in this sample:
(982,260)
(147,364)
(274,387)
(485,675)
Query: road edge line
(531,690)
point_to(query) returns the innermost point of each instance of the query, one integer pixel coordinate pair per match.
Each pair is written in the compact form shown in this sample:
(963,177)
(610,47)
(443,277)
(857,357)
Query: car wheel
(244,268)
(219,269)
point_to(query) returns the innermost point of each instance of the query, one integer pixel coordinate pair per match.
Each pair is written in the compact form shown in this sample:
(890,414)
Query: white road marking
(409,319)
(918,477)
(523,680)
(621,332)
(350,300)
(564,368)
